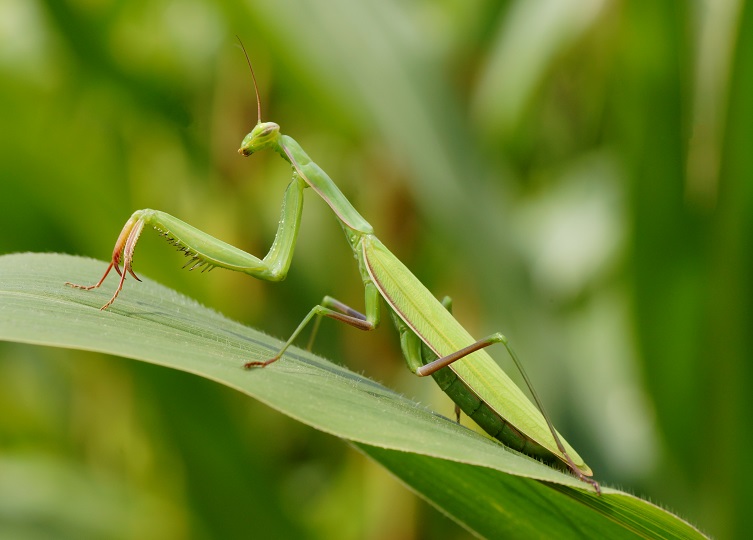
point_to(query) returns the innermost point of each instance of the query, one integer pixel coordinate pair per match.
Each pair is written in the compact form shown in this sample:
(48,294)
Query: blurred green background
(577,174)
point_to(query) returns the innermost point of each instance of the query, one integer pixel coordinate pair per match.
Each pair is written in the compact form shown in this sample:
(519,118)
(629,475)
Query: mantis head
(263,136)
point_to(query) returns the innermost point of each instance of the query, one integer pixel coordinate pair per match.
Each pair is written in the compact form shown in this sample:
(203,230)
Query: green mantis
(432,340)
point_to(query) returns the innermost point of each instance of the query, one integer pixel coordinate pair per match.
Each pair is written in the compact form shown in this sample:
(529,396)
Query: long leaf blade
(154,324)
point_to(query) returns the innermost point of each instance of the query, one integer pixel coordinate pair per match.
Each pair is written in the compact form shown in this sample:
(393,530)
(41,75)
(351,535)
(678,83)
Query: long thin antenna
(256,86)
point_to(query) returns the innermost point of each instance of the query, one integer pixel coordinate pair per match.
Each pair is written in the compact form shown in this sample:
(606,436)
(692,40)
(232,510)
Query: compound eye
(269,129)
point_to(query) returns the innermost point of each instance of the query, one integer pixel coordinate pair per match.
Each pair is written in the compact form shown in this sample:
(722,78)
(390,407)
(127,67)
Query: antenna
(256,87)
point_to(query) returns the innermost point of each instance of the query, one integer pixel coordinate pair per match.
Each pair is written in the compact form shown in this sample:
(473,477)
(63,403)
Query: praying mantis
(433,342)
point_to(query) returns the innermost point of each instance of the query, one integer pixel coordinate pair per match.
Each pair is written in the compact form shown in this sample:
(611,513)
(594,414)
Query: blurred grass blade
(154,324)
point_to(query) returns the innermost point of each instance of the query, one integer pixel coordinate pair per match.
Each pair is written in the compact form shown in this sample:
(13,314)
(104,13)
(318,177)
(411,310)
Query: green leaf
(489,489)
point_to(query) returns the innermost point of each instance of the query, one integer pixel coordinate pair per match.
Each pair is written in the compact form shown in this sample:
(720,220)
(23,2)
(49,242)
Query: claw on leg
(249,365)
(124,248)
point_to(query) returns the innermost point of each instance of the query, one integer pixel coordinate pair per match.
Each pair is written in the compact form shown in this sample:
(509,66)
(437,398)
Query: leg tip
(258,364)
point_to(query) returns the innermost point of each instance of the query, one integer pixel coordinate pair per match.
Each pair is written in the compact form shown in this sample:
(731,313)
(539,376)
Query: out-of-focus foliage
(575,174)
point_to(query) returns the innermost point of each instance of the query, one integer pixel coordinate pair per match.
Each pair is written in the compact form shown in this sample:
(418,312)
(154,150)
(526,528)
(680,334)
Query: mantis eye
(268,131)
